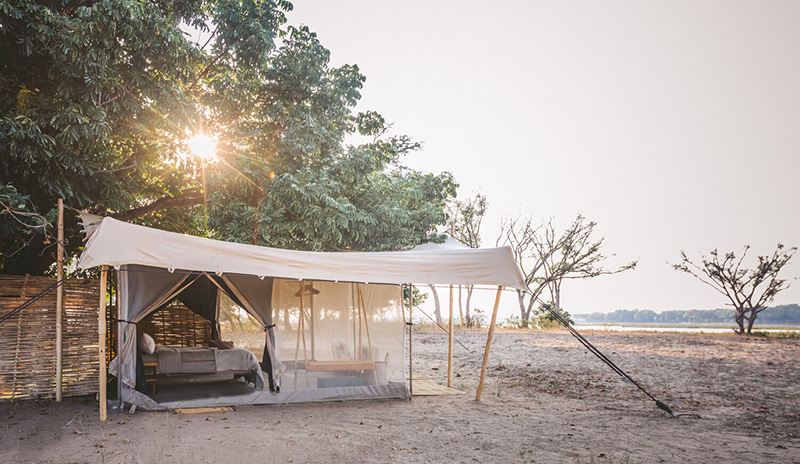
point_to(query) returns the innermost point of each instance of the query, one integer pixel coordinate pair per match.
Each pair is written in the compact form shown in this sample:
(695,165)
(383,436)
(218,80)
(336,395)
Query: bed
(205,360)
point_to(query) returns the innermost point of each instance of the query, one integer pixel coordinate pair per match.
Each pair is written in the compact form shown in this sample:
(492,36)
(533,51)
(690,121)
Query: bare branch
(190,197)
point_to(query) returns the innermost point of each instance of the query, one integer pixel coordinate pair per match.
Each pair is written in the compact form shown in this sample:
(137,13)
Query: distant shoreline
(690,325)
(681,327)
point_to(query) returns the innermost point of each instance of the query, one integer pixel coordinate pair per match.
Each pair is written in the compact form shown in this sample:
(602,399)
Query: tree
(573,255)
(547,258)
(546,319)
(97,101)
(748,290)
(466,218)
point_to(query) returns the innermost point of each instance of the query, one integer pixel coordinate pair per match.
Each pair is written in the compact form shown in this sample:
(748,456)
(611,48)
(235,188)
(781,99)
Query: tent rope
(34,299)
(445,330)
(593,349)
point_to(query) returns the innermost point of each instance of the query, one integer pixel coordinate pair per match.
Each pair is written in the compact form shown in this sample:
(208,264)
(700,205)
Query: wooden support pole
(302,318)
(101,334)
(311,326)
(355,303)
(410,345)
(488,344)
(59,300)
(450,343)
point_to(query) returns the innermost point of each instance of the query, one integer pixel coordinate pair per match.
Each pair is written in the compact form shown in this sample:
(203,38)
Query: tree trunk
(469,297)
(287,324)
(531,302)
(523,322)
(525,309)
(437,312)
(557,294)
(740,320)
(461,307)
(750,321)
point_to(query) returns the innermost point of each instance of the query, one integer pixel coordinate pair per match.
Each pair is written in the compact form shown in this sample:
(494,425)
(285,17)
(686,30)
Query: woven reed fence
(27,340)
(176,325)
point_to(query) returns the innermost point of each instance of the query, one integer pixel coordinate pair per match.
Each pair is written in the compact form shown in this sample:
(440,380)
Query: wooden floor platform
(426,387)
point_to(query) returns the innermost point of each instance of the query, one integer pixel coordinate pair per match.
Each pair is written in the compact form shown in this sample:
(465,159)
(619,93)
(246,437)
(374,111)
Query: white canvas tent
(344,307)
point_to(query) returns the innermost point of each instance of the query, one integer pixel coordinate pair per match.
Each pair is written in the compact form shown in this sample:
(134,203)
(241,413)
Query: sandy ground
(547,400)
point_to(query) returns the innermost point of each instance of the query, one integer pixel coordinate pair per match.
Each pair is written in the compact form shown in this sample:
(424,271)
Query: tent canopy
(117,243)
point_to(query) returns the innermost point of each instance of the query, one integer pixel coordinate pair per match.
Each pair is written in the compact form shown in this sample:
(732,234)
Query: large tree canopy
(98,100)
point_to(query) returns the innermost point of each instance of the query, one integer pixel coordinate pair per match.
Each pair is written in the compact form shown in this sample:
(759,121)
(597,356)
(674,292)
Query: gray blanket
(203,360)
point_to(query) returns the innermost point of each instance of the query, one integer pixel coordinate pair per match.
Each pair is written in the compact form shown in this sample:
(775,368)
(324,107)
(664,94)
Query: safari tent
(335,323)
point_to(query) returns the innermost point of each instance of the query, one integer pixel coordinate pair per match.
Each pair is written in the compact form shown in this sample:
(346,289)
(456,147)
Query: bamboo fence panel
(176,325)
(27,340)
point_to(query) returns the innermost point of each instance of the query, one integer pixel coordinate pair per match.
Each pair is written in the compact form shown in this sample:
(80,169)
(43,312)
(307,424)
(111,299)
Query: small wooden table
(150,370)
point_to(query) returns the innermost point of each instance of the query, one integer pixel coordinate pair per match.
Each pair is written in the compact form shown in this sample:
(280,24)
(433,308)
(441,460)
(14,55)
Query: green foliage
(515,322)
(97,101)
(466,217)
(478,319)
(545,318)
(418,298)
(323,196)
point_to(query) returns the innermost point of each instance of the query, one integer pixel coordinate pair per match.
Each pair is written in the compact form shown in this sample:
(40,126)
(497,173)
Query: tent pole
(410,346)
(488,343)
(299,329)
(119,276)
(450,343)
(59,299)
(360,341)
(101,335)
(403,312)
(353,307)
(311,326)
(302,316)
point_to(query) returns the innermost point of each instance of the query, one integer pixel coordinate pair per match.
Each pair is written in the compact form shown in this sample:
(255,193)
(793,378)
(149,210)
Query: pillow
(146,343)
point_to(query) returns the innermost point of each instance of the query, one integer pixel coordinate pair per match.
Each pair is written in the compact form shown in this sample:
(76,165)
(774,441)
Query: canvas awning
(116,243)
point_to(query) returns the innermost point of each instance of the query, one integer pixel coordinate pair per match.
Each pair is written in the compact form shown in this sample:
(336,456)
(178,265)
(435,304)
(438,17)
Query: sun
(204,147)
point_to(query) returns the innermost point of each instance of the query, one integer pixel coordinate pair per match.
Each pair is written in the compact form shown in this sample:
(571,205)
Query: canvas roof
(116,243)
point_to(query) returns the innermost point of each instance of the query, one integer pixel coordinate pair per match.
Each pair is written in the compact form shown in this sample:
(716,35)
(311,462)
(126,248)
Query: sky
(673,125)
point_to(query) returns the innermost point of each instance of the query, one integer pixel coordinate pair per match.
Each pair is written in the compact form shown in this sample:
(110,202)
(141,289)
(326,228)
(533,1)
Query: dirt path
(547,400)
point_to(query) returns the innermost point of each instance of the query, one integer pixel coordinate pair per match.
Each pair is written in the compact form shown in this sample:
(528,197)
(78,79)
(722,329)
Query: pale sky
(675,125)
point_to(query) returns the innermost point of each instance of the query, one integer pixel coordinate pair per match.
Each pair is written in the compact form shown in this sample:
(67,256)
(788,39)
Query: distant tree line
(783,314)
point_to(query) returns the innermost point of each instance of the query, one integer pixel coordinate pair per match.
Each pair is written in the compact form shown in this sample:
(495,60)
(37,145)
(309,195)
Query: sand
(546,400)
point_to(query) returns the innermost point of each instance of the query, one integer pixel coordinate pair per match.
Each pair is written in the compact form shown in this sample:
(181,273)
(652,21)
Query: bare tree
(548,258)
(578,256)
(466,217)
(748,290)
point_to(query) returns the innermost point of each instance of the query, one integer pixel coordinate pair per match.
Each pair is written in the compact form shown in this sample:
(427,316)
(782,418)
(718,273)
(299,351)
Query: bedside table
(150,369)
